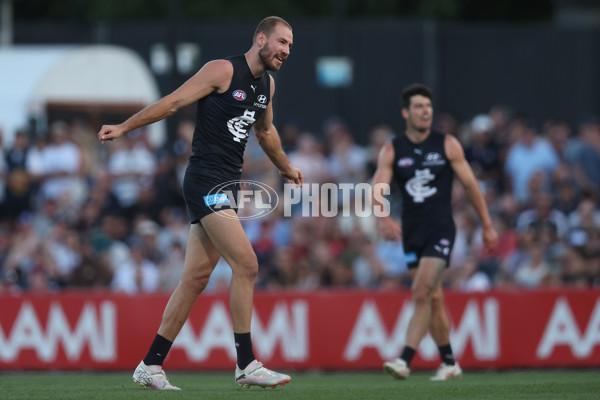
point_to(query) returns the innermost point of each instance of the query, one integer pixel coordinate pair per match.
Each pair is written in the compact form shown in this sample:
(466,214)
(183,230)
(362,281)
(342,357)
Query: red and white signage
(339,330)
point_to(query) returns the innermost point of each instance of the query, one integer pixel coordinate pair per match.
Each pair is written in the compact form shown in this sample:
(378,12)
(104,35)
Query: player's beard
(266,58)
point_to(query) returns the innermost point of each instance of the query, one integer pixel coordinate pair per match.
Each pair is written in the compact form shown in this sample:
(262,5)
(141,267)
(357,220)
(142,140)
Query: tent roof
(99,74)
(35,75)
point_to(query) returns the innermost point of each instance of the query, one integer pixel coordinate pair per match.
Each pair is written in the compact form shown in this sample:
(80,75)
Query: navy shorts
(427,238)
(205,195)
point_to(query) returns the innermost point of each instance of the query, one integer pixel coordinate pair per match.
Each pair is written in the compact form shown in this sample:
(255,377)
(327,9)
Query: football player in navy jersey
(232,96)
(423,163)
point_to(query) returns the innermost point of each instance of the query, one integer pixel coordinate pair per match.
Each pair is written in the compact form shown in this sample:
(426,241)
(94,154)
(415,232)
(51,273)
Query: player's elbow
(262,135)
(172,110)
(171,105)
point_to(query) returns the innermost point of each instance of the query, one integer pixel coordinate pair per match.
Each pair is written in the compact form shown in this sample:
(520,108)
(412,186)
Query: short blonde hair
(267,25)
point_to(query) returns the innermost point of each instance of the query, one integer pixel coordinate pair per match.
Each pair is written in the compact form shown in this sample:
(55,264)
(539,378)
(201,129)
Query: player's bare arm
(463,171)
(269,141)
(214,76)
(389,229)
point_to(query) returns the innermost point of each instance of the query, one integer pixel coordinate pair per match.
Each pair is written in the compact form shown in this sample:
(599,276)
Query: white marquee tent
(31,77)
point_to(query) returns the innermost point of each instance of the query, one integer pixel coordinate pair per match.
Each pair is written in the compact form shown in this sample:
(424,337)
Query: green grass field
(553,384)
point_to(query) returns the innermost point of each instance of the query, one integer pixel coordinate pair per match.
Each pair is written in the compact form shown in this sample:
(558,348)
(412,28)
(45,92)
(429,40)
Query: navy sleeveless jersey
(223,123)
(424,175)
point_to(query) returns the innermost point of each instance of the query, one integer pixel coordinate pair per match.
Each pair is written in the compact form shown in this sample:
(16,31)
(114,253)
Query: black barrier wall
(540,70)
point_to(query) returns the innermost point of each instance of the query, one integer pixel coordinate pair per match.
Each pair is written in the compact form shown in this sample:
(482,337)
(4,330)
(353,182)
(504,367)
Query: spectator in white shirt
(132,165)
(60,167)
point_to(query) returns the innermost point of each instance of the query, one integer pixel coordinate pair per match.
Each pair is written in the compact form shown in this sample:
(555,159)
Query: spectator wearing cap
(147,231)
(529,155)
(483,151)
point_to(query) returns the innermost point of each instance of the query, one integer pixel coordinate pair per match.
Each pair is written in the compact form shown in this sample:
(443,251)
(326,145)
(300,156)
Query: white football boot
(396,368)
(446,372)
(257,375)
(153,377)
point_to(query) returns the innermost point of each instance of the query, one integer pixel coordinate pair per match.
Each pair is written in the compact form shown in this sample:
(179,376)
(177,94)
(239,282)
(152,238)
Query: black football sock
(243,347)
(446,354)
(158,351)
(407,355)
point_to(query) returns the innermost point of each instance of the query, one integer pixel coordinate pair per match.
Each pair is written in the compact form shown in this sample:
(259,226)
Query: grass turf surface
(548,384)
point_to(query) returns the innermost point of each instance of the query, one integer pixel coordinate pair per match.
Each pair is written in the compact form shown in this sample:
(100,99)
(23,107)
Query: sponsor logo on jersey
(217,198)
(443,247)
(239,95)
(432,159)
(253,199)
(405,162)
(239,126)
(411,257)
(417,185)
(261,101)
(444,250)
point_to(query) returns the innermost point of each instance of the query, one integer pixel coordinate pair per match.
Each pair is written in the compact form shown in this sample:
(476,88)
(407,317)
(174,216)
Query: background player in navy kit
(423,163)
(232,96)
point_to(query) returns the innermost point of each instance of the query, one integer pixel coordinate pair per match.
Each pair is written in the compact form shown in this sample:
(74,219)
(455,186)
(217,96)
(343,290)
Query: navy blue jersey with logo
(424,175)
(223,123)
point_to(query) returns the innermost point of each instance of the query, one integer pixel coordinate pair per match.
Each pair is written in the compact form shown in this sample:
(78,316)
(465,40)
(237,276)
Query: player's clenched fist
(110,132)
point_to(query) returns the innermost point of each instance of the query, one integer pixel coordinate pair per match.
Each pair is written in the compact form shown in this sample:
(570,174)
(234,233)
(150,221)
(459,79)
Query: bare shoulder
(218,73)
(386,154)
(220,64)
(453,148)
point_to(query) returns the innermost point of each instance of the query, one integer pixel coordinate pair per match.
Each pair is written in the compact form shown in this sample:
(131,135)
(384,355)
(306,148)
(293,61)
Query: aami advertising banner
(336,330)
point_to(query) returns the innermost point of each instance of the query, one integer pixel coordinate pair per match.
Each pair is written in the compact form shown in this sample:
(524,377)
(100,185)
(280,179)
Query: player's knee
(437,298)
(421,295)
(248,267)
(198,282)
(197,278)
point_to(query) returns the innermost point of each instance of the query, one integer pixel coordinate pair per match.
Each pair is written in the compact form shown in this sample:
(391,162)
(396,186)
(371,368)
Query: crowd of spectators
(77,214)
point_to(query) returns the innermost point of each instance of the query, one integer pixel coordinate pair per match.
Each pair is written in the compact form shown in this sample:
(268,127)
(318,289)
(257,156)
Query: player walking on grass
(423,163)
(232,95)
